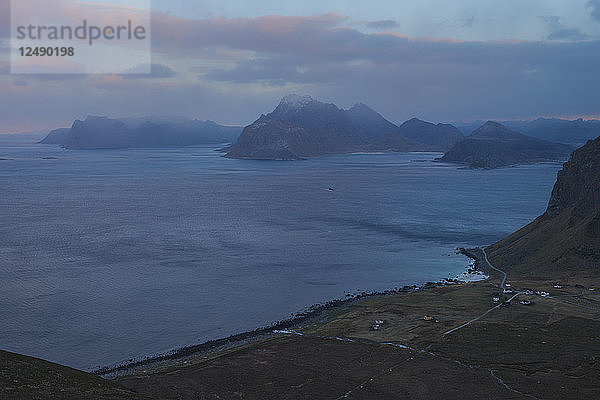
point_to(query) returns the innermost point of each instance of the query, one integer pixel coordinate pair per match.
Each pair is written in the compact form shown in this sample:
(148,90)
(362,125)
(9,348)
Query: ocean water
(112,255)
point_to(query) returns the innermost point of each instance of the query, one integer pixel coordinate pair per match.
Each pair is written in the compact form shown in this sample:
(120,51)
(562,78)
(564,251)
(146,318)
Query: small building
(495,299)
(526,302)
(428,318)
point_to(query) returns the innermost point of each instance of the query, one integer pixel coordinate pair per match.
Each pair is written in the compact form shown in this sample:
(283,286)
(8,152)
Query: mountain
(302,127)
(106,133)
(575,132)
(440,137)
(369,122)
(57,136)
(565,240)
(299,127)
(381,134)
(493,145)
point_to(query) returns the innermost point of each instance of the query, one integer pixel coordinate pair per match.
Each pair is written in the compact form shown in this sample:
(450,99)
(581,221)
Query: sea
(112,255)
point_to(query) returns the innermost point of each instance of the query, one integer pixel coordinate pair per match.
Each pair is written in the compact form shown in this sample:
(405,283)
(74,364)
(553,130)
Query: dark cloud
(437,79)
(558,31)
(594,5)
(382,24)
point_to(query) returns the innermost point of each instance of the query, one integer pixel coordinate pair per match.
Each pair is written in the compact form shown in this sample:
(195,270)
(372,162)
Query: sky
(232,60)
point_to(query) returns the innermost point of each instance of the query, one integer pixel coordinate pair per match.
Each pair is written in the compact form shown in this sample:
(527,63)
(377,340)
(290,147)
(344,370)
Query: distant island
(493,145)
(106,133)
(301,127)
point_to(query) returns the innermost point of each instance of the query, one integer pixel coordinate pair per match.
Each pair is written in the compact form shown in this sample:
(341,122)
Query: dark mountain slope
(566,238)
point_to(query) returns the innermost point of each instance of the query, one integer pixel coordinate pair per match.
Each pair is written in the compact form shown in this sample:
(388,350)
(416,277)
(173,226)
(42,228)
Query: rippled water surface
(109,255)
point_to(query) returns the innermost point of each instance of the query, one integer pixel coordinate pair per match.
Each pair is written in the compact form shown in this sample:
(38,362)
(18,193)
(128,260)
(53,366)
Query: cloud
(233,69)
(156,71)
(595,6)
(382,24)
(558,31)
(265,34)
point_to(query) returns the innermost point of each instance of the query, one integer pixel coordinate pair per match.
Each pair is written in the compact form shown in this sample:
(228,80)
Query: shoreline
(312,314)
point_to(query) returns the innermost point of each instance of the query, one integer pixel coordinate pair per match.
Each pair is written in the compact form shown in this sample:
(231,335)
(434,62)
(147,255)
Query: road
(494,268)
(491,309)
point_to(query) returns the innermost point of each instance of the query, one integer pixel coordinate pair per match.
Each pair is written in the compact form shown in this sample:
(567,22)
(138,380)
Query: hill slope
(23,377)
(493,145)
(566,238)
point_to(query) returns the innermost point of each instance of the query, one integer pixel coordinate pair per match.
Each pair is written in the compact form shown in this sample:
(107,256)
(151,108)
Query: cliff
(566,238)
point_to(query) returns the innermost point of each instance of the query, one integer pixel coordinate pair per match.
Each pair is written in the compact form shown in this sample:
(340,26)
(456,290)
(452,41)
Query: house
(495,299)
(526,302)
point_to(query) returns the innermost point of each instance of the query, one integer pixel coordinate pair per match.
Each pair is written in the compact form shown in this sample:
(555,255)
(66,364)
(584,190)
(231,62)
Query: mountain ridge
(306,127)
